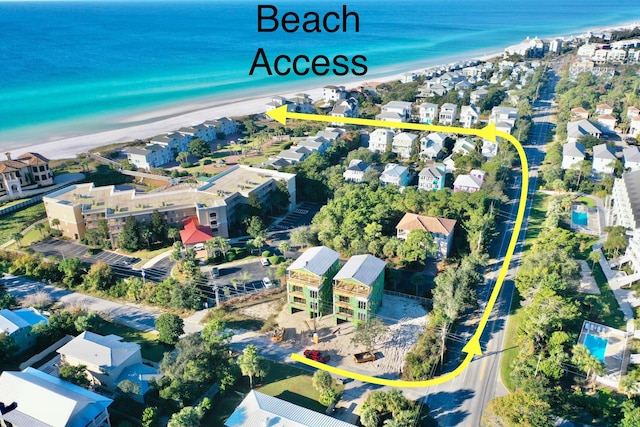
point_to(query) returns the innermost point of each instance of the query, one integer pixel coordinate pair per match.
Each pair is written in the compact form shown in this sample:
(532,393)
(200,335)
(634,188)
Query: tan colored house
(28,172)
(441,229)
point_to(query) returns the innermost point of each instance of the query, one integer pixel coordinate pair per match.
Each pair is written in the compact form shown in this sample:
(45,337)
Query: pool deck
(615,352)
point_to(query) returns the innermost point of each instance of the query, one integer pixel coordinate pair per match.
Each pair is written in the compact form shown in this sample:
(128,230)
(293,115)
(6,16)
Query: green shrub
(206,161)
(266,254)
(231,256)
(186,165)
(276,259)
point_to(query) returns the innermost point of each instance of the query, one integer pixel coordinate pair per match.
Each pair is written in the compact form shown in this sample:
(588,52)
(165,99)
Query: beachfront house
(469,115)
(604,159)
(28,172)
(356,170)
(441,229)
(432,178)
(448,114)
(572,154)
(428,112)
(470,183)
(223,125)
(149,156)
(580,128)
(358,288)
(42,400)
(403,144)
(332,93)
(380,140)
(432,145)
(631,157)
(395,174)
(309,281)
(17,324)
(202,131)
(395,111)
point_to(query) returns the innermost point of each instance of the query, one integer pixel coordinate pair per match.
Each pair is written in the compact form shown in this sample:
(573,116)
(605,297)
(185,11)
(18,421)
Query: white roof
(362,268)
(398,105)
(11,321)
(394,169)
(46,401)
(467,181)
(316,260)
(258,409)
(405,136)
(98,350)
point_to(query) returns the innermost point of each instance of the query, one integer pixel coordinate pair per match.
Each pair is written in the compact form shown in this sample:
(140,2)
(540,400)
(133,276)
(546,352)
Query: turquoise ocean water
(74,67)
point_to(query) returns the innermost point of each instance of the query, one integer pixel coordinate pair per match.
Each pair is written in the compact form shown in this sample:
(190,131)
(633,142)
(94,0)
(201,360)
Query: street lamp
(144,282)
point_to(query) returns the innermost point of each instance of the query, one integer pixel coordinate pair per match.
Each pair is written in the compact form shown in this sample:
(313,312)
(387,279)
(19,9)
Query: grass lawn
(15,222)
(151,348)
(510,350)
(146,255)
(614,317)
(282,381)
(536,219)
(586,201)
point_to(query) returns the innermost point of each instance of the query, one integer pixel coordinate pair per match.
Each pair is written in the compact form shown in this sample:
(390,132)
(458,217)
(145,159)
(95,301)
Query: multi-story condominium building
(80,207)
(30,171)
(309,281)
(149,156)
(441,229)
(358,288)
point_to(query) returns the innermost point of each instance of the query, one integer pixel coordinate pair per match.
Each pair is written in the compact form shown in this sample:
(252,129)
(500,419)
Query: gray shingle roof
(363,268)
(603,151)
(316,260)
(573,149)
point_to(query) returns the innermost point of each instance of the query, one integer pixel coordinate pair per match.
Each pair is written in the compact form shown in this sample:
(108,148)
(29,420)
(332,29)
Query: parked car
(215,272)
(264,261)
(317,356)
(198,247)
(267,283)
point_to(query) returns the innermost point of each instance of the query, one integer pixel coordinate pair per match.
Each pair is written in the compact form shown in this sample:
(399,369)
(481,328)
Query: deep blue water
(597,346)
(83,64)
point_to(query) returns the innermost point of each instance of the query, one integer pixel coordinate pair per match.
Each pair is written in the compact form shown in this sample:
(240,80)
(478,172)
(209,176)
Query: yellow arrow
(281,114)
(472,348)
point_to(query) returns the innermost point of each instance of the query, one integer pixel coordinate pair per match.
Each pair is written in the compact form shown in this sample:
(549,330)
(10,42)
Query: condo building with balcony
(358,288)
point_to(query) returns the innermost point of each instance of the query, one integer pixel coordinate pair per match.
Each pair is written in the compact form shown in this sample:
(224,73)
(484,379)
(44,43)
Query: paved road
(461,402)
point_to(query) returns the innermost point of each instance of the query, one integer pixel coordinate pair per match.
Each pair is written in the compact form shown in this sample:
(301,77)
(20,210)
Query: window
(299,300)
(342,298)
(37,177)
(314,306)
(362,305)
(345,311)
(296,289)
(35,169)
(44,177)
(362,316)
(41,168)
(313,294)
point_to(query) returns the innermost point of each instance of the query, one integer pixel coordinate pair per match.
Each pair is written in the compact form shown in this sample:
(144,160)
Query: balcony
(351,289)
(345,304)
(304,279)
(301,302)
(299,293)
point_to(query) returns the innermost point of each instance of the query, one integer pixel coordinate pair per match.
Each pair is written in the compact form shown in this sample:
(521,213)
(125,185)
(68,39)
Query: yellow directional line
(472,347)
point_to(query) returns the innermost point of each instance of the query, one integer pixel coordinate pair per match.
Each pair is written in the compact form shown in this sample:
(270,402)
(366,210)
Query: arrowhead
(473,347)
(279,114)
(489,132)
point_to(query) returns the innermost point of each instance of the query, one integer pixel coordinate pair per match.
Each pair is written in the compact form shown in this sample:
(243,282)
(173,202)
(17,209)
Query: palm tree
(245,276)
(39,226)
(210,246)
(222,244)
(594,257)
(182,157)
(587,363)
(173,233)
(629,384)
(18,238)
(55,222)
(284,247)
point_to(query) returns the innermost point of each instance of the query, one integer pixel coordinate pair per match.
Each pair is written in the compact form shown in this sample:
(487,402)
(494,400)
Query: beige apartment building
(80,207)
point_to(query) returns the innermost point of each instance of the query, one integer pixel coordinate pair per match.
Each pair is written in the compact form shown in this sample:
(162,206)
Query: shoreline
(149,123)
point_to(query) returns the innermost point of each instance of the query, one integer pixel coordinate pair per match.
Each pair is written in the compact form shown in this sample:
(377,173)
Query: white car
(267,283)
(264,261)
(198,247)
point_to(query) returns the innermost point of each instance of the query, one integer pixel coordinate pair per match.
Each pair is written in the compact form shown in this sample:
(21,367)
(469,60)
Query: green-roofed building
(309,281)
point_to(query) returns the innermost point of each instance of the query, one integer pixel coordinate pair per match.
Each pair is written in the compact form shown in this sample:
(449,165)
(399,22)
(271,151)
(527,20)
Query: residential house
(580,128)
(478,95)
(43,400)
(403,144)
(309,281)
(395,111)
(489,149)
(607,123)
(346,108)
(603,109)
(108,360)
(300,103)
(449,163)
(633,111)
(258,410)
(395,174)
(464,146)
(604,158)
(315,143)
(80,207)
(579,113)
(469,115)
(634,127)
(380,140)
(448,114)
(631,157)
(358,288)
(173,141)
(441,229)
(356,170)
(295,154)
(572,154)
(431,145)
(17,324)
(30,171)
(333,93)
(428,112)
(149,156)
(469,183)
(432,178)
(504,118)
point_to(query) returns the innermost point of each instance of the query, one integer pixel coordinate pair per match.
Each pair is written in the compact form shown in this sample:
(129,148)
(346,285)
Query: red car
(316,355)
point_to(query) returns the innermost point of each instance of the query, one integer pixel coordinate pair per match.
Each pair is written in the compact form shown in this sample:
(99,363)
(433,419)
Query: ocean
(76,67)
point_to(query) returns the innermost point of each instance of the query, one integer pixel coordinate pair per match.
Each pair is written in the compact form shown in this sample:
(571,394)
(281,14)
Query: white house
(448,114)
(356,170)
(395,111)
(572,154)
(469,115)
(223,124)
(174,141)
(43,400)
(478,95)
(294,154)
(346,108)
(395,174)
(607,122)
(441,229)
(403,144)
(428,112)
(579,113)
(316,143)
(17,324)
(202,131)
(149,156)
(489,149)
(504,118)
(603,109)
(603,159)
(333,93)
(469,183)
(634,126)
(631,158)
(633,111)
(464,146)
(580,128)
(431,145)
(432,178)
(380,140)
(449,163)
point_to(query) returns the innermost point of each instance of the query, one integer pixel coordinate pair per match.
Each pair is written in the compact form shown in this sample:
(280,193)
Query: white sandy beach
(168,119)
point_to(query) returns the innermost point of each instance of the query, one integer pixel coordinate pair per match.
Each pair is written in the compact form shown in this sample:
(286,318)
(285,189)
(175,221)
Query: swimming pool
(596,345)
(580,218)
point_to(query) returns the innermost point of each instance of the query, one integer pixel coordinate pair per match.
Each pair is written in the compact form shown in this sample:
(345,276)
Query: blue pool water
(580,218)
(596,345)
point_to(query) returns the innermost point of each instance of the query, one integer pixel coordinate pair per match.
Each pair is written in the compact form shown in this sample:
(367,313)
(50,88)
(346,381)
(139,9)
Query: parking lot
(255,270)
(302,215)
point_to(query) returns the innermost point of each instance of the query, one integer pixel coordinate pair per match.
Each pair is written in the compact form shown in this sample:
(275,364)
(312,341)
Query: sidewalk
(623,296)
(153,261)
